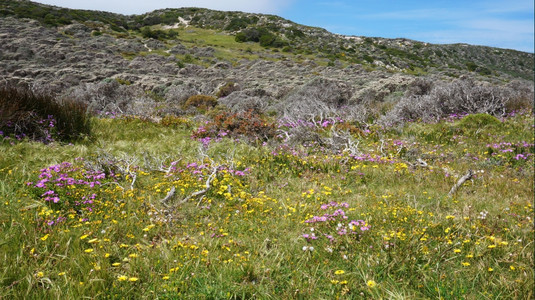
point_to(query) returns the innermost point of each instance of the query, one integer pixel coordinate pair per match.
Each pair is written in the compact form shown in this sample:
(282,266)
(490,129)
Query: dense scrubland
(196,154)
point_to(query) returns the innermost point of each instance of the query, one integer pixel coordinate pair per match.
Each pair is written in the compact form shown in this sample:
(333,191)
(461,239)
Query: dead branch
(169,195)
(462,180)
(207,186)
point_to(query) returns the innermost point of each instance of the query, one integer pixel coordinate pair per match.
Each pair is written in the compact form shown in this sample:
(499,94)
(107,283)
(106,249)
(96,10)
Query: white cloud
(143,6)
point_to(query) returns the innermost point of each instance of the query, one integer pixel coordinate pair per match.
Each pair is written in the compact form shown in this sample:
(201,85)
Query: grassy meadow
(141,209)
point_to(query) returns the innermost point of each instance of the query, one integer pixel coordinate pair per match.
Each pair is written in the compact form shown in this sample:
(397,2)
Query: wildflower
(339,272)
(450,217)
(133,279)
(122,278)
(465,264)
(89,250)
(133,255)
(61,273)
(44,237)
(490,269)
(491,246)
(512,268)
(148,227)
(457,250)
(371,283)
(84,236)
(40,274)
(165,278)
(116,264)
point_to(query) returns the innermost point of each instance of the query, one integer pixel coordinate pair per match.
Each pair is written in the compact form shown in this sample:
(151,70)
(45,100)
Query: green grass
(243,238)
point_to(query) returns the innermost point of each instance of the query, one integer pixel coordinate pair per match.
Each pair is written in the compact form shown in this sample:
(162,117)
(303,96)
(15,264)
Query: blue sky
(497,23)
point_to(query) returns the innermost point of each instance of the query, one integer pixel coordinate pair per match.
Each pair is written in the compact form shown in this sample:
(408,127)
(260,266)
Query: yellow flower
(122,278)
(512,268)
(133,255)
(491,246)
(44,237)
(339,272)
(133,279)
(40,274)
(107,255)
(84,236)
(457,250)
(116,264)
(165,278)
(466,264)
(450,217)
(148,227)
(88,250)
(61,273)
(91,241)
(343,282)
(490,269)
(371,283)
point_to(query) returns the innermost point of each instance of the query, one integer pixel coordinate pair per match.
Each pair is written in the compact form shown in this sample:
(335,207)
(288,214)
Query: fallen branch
(169,195)
(207,186)
(462,180)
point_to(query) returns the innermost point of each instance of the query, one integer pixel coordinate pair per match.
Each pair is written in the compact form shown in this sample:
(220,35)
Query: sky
(498,23)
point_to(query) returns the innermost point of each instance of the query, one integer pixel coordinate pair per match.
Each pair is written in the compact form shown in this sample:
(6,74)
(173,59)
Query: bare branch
(462,180)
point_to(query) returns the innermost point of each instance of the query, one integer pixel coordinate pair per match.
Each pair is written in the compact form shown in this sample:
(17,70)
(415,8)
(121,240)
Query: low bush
(175,122)
(432,101)
(200,102)
(479,121)
(248,124)
(227,89)
(41,117)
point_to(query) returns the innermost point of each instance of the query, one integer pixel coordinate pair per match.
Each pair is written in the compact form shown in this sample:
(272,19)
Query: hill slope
(172,54)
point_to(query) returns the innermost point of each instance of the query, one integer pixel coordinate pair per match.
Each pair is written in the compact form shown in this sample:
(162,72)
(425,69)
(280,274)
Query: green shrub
(226,90)
(176,122)
(158,34)
(479,121)
(41,117)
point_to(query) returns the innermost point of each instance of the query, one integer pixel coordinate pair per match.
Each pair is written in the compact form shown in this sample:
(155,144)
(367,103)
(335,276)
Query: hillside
(392,54)
(170,55)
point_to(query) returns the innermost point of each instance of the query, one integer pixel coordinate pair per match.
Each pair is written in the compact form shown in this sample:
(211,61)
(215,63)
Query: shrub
(226,89)
(202,102)
(240,101)
(176,122)
(110,97)
(41,117)
(320,96)
(443,99)
(147,32)
(479,121)
(248,124)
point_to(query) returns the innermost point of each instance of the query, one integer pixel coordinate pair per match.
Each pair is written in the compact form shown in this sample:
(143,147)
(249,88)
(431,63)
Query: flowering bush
(249,124)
